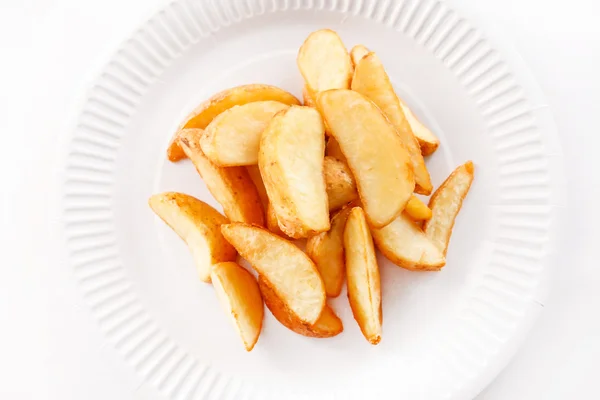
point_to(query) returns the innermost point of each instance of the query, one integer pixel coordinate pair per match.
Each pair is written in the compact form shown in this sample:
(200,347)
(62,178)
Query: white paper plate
(445,335)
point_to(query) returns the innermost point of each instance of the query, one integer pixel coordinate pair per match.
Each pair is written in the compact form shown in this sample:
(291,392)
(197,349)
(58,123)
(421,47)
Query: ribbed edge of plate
(523,214)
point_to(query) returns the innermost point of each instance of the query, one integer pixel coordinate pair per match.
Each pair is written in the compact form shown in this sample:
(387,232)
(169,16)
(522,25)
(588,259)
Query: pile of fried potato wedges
(336,174)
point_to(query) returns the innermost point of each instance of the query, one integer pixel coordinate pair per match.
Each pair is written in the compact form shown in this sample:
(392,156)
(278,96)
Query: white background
(50,347)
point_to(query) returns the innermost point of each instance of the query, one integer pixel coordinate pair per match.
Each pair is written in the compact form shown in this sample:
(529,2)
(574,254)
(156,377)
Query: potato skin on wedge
(428,142)
(236,96)
(445,204)
(291,165)
(375,154)
(357,53)
(239,295)
(199,225)
(339,183)
(407,246)
(371,80)
(328,324)
(289,272)
(362,274)
(326,249)
(232,187)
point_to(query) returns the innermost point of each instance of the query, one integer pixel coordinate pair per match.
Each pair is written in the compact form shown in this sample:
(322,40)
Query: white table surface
(50,346)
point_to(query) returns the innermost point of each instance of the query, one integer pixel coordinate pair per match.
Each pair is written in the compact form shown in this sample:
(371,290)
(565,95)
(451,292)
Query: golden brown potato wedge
(332,149)
(307,97)
(273,224)
(326,249)
(199,225)
(237,96)
(371,80)
(357,53)
(233,137)
(254,173)
(239,295)
(339,182)
(286,269)
(328,324)
(405,244)
(324,62)
(231,187)
(291,165)
(445,204)
(427,140)
(376,156)
(362,271)
(417,210)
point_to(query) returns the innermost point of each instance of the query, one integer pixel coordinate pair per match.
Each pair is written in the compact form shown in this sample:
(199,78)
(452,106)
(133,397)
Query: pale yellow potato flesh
(288,271)
(427,140)
(326,249)
(407,246)
(233,137)
(324,62)
(199,225)
(339,182)
(291,165)
(231,186)
(236,96)
(445,204)
(417,210)
(371,80)
(328,324)
(357,53)
(362,274)
(239,295)
(376,156)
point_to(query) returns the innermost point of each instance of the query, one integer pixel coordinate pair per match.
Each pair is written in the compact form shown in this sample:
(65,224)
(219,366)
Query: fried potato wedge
(286,269)
(233,137)
(371,80)
(324,62)
(362,271)
(339,183)
(239,295)
(199,225)
(307,97)
(427,140)
(326,249)
(291,165)
(254,174)
(332,149)
(417,210)
(231,187)
(237,96)
(376,156)
(445,204)
(273,224)
(405,244)
(357,53)
(328,324)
